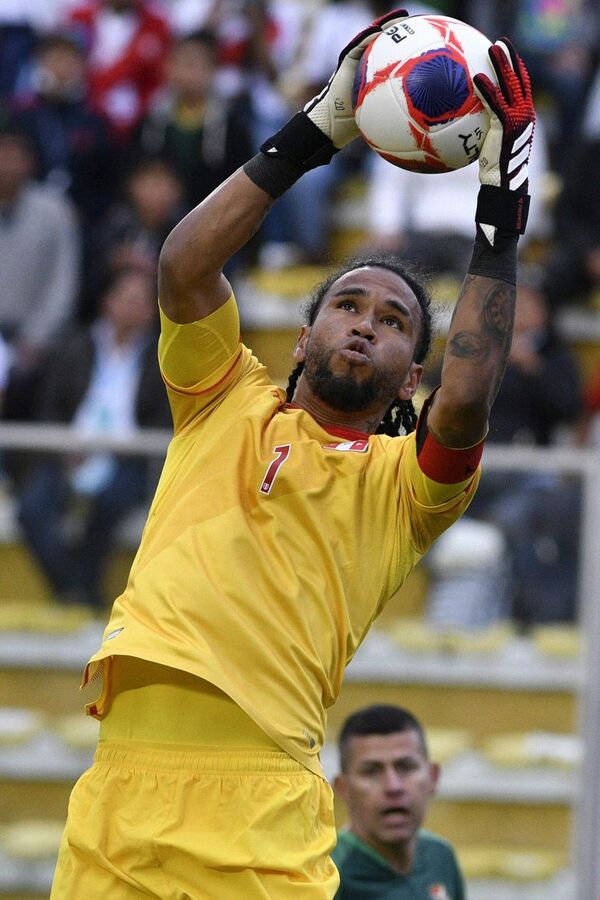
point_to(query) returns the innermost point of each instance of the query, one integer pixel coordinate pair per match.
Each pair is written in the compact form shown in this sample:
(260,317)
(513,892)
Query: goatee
(344,392)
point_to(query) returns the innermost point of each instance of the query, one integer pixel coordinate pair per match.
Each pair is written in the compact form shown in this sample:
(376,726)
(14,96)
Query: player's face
(387,786)
(359,352)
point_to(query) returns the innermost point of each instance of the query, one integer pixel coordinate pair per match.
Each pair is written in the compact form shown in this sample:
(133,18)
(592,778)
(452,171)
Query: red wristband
(446,465)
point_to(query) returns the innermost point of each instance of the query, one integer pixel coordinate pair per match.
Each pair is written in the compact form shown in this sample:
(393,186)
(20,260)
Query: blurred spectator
(20,22)
(257,43)
(589,425)
(573,261)
(39,265)
(202,135)
(541,389)
(187,16)
(72,142)
(591,115)
(134,229)
(4,369)
(557,41)
(538,512)
(103,380)
(126,42)
(300,230)
(5,356)
(429,218)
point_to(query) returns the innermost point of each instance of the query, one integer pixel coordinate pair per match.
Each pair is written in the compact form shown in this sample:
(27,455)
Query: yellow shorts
(187,822)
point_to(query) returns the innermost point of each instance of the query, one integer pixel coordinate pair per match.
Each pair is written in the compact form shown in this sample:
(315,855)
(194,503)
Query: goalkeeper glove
(326,124)
(503,202)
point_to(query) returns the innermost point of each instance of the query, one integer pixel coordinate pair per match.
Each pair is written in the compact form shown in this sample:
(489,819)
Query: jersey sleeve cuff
(446,465)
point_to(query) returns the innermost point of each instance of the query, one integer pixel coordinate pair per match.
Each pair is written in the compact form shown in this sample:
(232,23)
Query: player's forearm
(481,329)
(476,353)
(194,253)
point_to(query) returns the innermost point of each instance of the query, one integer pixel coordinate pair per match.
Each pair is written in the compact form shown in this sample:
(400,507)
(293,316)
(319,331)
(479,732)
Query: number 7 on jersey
(283,451)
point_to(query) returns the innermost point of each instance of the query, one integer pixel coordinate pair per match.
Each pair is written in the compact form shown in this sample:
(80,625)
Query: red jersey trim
(348,434)
(446,465)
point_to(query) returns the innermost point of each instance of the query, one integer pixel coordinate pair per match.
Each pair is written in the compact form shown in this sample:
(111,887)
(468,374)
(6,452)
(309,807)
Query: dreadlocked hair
(400,417)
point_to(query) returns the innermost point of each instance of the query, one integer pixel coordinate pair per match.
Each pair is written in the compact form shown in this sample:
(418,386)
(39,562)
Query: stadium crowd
(119,116)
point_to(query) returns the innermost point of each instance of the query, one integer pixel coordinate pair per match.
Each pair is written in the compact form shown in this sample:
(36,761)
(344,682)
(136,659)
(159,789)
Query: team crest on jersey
(360,446)
(438,892)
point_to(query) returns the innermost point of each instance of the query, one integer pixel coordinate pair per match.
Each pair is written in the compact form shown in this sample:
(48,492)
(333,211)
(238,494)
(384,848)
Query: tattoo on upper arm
(469,345)
(496,326)
(499,311)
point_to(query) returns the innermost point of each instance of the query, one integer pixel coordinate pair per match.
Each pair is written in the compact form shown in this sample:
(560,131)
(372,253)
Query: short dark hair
(381,718)
(401,414)
(61,40)
(206,37)
(12,131)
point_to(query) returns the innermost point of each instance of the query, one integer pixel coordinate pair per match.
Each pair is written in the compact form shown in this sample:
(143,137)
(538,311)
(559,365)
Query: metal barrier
(572,461)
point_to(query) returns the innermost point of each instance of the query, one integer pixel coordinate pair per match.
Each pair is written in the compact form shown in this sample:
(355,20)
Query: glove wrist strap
(499,262)
(301,141)
(293,150)
(504,209)
(274,175)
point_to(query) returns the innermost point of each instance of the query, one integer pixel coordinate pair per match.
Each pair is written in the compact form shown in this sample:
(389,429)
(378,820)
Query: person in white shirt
(428,218)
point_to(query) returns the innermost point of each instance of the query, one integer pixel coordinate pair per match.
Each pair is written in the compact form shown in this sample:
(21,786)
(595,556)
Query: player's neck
(399,856)
(365,421)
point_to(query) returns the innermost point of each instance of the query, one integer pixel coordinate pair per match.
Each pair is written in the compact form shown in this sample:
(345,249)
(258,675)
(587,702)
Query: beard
(344,392)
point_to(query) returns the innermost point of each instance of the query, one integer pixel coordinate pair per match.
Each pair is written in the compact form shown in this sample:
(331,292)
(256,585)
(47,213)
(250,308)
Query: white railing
(584,463)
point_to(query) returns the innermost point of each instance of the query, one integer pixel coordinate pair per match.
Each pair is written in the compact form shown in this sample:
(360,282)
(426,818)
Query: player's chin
(394,832)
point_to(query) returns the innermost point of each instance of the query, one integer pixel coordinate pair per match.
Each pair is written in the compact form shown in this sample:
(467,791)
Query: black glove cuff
(295,149)
(302,142)
(504,209)
(273,174)
(499,262)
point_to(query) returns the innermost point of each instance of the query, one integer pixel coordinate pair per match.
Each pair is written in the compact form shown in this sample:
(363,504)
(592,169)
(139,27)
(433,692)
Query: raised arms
(480,332)
(190,280)
(474,361)
(191,283)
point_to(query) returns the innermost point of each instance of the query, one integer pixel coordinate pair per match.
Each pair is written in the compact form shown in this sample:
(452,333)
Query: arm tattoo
(499,315)
(468,345)
(496,327)
(499,311)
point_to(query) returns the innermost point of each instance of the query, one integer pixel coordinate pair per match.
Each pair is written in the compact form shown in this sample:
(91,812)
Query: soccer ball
(413,99)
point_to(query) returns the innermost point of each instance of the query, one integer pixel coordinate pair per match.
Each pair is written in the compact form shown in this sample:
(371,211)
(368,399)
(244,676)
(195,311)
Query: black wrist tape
(498,262)
(506,210)
(295,149)
(302,142)
(273,174)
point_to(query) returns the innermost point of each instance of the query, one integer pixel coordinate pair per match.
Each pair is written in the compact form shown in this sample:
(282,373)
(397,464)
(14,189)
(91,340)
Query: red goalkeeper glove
(503,202)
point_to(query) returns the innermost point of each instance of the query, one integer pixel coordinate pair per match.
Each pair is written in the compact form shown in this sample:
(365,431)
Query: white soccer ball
(414,101)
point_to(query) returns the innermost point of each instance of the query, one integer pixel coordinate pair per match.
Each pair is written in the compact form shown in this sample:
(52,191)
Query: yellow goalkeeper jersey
(271,543)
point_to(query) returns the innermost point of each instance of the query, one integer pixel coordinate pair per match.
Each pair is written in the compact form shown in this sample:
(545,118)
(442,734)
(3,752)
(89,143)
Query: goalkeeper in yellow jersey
(280,527)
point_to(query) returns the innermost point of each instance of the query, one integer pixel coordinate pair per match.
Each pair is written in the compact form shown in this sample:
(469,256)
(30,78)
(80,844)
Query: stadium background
(507,698)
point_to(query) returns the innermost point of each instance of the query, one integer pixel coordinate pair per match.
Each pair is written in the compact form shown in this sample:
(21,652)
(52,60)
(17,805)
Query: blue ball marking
(437,86)
(359,80)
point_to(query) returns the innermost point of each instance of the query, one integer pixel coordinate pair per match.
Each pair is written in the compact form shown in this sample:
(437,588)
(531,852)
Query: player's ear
(300,348)
(434,775)
(340,786)
(412,381)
